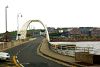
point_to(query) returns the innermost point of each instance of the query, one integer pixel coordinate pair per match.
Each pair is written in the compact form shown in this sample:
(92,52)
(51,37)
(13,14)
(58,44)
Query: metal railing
(83,49)
(70,51)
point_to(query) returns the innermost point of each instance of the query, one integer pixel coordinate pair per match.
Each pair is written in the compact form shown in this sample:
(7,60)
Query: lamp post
(6,22)
(18,15)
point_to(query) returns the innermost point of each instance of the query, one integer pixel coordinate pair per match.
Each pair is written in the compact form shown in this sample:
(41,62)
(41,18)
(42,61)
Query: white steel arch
(23,30)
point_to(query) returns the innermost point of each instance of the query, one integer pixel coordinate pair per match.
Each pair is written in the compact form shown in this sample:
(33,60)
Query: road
(28,57)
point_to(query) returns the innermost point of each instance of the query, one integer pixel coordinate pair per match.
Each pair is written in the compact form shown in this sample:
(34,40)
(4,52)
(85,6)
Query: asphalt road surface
(28,57)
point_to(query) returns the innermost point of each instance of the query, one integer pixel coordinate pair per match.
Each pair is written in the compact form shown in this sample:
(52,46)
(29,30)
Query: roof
(75,31)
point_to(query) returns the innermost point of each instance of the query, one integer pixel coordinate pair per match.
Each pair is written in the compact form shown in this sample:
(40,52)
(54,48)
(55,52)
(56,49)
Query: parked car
(4,56)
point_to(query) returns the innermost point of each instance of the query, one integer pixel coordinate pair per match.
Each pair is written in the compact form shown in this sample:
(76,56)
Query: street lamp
(18,15)
(6,22)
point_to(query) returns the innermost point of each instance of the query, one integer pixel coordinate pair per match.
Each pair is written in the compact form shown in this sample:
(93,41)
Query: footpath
(62,59)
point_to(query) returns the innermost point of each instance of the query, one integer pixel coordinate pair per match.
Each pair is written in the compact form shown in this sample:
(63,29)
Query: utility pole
(6,22)
(18,15)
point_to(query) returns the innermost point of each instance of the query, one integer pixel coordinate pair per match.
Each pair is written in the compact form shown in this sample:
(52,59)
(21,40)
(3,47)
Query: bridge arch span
(23,30)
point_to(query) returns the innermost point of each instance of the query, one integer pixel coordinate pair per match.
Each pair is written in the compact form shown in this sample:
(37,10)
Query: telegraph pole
(6,22)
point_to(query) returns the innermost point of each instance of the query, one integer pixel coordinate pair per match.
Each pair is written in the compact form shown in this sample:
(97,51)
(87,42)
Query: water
(94,44)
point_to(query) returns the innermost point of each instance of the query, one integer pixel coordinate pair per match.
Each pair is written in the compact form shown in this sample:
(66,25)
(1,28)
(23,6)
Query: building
(51,30)
(85,31)
(75,32)
(95,32)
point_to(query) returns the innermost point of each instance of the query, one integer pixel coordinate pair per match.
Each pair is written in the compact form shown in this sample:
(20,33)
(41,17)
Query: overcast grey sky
(53,13)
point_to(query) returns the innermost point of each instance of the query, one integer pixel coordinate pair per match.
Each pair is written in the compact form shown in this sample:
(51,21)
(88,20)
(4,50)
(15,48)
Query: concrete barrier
(84,57)
(7,45)
(87,58)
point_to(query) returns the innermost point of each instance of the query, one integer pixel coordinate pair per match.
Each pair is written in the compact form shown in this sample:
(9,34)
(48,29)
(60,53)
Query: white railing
(71,51)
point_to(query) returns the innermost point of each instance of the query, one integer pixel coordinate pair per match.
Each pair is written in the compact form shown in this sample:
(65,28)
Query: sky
(53,13)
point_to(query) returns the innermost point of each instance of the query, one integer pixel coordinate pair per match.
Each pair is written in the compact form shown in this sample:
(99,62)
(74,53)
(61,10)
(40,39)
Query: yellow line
(15,62)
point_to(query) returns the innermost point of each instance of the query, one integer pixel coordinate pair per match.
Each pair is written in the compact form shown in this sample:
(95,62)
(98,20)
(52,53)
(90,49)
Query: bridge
(21,34)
